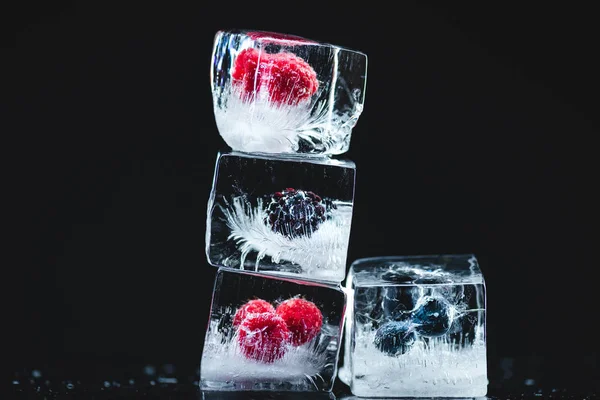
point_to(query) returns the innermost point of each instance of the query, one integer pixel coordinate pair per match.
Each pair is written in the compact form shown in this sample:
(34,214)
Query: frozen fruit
(252,307)
(287,78)
(433,316)
(395,338)
(263,337)
(303,318)
(295,213)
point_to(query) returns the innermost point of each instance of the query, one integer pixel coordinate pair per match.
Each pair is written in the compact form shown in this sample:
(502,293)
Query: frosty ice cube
(415,327)
(281,215)
(270,333)
(278,93)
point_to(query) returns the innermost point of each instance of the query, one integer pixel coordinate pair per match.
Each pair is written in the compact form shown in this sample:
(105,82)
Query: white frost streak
(326,249)
(224,361)
(261,126)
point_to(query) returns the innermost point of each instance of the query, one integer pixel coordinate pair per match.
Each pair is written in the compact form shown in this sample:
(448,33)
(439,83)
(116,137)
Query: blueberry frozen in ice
(433,316)
(395,338)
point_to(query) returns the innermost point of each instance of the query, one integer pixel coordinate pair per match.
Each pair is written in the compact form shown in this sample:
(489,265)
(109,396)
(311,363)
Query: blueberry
(433,316)
(395,338)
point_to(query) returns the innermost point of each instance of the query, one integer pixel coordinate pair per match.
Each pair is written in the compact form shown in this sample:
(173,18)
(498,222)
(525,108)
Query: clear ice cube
(415,327)
(281,215)
(278,93)
(267,333)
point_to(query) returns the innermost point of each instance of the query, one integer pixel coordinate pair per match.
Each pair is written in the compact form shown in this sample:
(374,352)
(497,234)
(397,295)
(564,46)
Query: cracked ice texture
(443,361)
(309,367)
(278,93)
(254,224)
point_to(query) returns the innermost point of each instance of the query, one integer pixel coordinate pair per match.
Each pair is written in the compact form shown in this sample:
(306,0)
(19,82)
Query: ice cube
(278,93)
(272,333)
(415,327)
(281,215)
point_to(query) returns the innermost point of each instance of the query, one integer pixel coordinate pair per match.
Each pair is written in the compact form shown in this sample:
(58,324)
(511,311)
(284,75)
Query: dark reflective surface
(510,378)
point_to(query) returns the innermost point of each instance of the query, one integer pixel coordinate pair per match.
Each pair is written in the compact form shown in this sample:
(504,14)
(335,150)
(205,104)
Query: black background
(476,137)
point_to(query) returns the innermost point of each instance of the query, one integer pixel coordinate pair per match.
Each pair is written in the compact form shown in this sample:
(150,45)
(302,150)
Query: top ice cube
(278,93)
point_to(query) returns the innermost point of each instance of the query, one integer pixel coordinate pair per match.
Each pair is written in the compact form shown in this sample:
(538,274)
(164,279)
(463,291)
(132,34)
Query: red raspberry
(287,78)
(252,307)
(263,337)
(302,317)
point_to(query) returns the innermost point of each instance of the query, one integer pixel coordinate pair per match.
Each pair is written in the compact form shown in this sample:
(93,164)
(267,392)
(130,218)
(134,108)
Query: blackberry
(295,213)
(395,338)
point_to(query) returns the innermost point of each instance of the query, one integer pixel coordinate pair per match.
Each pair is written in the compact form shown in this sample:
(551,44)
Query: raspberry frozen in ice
(263,337)
(303,318)
(255,306)
(287,78)
(279,93)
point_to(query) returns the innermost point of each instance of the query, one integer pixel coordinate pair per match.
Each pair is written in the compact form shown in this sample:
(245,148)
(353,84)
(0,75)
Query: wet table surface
(509,378)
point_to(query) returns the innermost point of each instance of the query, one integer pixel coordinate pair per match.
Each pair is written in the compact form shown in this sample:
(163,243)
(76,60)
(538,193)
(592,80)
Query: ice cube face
(288,216)
(415,327)
(269,333)
(277,93)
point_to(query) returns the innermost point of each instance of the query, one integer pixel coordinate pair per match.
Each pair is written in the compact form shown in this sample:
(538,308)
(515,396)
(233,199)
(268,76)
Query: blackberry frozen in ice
(284,215)
(296,213)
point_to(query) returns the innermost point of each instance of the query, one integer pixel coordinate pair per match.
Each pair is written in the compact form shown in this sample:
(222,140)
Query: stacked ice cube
(280,210)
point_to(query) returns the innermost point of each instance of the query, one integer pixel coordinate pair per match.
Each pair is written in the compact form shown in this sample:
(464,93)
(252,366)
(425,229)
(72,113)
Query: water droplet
(36,373)
(15,382)
(149,370)
(131,382)
(106,384)
(529,382)
(169,369)
(70,386)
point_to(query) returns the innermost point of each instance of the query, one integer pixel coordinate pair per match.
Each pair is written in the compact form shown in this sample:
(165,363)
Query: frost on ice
(322,252)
